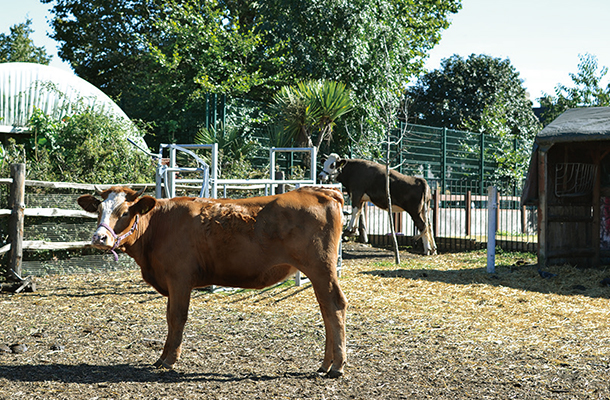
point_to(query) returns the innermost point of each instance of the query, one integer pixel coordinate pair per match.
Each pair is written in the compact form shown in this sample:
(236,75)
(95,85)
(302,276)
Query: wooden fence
(459,223)
(17,212)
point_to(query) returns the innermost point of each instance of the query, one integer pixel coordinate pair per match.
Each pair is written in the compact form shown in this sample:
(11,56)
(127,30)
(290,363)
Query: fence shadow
(564,280)
(99,374)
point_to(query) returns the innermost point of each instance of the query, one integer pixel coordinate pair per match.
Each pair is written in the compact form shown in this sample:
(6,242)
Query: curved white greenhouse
(25,86)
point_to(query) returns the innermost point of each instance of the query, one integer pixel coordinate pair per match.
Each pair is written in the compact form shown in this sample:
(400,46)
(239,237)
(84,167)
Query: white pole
(158,175)
(492,223)
(272,168)
(215,172)
(171,177)
(314,155)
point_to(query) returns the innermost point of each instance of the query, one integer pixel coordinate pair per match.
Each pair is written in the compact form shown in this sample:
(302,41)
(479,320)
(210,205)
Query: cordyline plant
(310,110)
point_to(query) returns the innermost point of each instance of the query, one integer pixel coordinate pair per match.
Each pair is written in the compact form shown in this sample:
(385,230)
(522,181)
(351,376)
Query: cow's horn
(98,191)
(139,193)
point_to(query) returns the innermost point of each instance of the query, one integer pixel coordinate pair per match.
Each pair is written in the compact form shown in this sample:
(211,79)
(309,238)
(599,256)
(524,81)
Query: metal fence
(459,217)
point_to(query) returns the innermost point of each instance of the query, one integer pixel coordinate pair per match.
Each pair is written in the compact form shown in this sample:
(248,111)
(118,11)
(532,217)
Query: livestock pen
(459,219)
(57,232)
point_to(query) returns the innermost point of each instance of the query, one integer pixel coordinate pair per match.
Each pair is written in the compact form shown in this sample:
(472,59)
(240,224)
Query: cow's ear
(341,163)
(144,205)
(132,195)
(88,203)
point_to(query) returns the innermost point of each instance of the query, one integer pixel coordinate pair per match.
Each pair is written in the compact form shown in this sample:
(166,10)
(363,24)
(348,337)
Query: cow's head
(117,214)
(332,167)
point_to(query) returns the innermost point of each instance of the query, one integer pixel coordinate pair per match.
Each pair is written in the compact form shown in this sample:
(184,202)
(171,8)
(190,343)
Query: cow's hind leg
(333,306)
(425,232)
(177,314)
(430,233)
(357,204)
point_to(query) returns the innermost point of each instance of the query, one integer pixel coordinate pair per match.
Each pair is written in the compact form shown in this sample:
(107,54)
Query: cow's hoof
(334,374)
(162,364)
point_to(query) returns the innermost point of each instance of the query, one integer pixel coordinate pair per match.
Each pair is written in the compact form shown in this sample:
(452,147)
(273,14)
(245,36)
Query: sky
(542,38)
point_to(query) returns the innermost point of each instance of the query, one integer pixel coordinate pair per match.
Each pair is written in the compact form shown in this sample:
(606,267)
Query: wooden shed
(569,181)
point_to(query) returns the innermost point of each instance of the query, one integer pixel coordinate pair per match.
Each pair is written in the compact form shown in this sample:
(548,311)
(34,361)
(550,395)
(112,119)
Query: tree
(158,58)
(310,110)
(457,95)
(18,47)
(586,92)
(480,94)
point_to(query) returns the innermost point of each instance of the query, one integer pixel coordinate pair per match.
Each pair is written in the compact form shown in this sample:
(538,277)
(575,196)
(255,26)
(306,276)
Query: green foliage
(458,94)
(18,47)
(586,92)
(311,109)
(510,153)
(480,94)
(88,146)
(158,58)
(234,147)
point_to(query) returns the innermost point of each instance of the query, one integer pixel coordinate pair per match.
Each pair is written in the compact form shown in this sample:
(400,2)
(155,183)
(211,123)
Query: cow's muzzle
(102,237)
(323,176)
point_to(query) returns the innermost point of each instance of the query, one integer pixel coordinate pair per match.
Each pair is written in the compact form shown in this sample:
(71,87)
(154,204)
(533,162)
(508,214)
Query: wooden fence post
(17,206)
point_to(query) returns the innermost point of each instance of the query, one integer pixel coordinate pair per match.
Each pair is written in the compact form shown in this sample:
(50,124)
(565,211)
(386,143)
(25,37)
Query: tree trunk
(388,194)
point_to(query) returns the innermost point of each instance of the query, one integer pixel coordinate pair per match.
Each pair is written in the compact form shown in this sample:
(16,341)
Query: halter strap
(118,239)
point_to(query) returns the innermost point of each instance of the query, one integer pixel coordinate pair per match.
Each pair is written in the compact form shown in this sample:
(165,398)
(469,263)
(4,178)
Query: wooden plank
(596,203)
(572,252)
(44,245)
(569,218)
(542,207)
(51,212)
(72,185)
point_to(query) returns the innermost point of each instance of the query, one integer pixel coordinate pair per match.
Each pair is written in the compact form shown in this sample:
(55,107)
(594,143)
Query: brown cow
(184,243)
(366,181)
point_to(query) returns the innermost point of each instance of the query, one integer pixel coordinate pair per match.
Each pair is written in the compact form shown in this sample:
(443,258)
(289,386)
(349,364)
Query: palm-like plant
(311,108)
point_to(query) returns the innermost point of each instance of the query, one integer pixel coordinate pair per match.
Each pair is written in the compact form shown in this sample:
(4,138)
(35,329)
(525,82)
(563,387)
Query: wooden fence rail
(17,211)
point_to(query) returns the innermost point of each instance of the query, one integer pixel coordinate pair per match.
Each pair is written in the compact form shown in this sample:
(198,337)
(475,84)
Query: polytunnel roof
(24,86)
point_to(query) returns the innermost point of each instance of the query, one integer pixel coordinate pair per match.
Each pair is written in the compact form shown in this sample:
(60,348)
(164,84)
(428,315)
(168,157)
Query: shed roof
(577,125)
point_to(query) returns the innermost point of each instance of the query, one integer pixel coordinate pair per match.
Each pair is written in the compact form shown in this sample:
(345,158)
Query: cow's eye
(333,165)
(126,213)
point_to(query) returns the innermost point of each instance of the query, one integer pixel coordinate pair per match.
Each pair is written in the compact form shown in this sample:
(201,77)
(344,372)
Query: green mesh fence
(58,229)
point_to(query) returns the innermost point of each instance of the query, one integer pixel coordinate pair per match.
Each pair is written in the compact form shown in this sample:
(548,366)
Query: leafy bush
(88,146)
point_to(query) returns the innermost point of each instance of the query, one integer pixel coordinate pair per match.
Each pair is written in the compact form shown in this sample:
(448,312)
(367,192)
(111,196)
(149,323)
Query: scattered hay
(437,327)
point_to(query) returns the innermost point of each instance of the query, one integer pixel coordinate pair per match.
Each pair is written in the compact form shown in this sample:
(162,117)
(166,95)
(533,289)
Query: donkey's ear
(144,205)
(88,203)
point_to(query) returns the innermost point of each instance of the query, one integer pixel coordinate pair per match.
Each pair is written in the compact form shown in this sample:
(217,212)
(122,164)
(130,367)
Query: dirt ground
(433,327)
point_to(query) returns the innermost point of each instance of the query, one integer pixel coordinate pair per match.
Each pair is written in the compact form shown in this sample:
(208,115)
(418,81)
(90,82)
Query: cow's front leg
(177,314)
(351,226)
